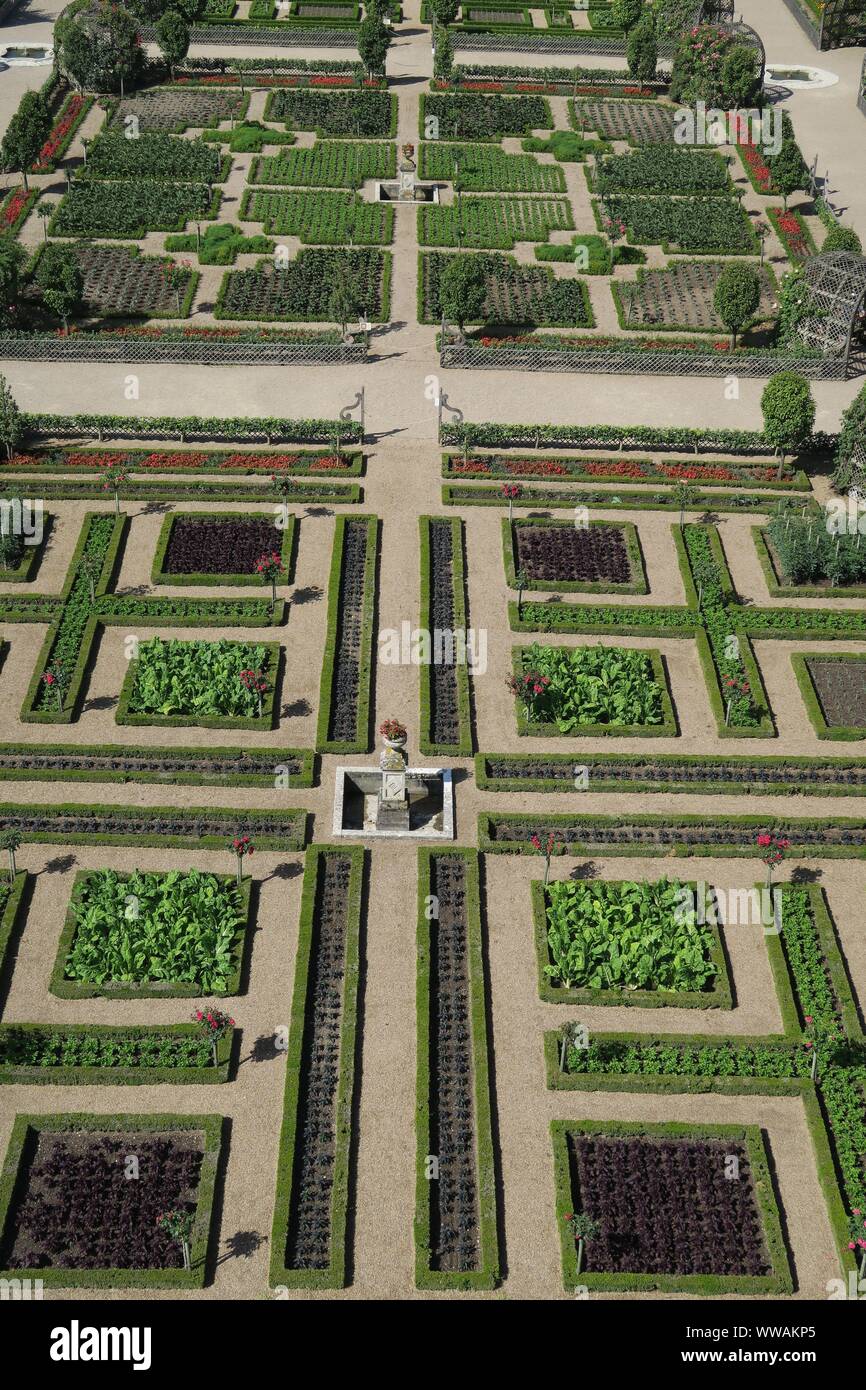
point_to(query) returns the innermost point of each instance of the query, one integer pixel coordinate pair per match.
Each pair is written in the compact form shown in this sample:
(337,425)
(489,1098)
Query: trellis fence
(143,351)
(632,363)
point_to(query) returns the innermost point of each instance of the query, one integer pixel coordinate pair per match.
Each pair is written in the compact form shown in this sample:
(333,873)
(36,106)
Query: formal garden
(345,754)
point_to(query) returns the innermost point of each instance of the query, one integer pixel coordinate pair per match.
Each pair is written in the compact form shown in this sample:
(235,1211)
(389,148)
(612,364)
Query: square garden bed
(19,562)
(80,1196)
(680,1208)
(833,687)
(210,684)
(219,548)
(625,943)
(584,691)
(601,557)
(152,935)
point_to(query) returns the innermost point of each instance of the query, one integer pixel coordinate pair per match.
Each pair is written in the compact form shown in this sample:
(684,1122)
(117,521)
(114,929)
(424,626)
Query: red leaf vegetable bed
(589,555)
(77,1208)
(219,547)
(667,1206)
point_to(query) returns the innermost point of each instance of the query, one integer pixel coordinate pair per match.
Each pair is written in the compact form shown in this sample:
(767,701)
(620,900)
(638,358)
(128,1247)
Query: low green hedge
(464,746)
(56,1041)
(486,1275)
(613,620)
(676,438)
(12,911)
(148,989)
(25,1132)
(252,722)
(753,1066)
(50,825)
(719,997)
(461,495)
(636,584)
(779,589)
(327,693)
(104,763)
(230,428)
(160,575)
(31,558)
(334,1276)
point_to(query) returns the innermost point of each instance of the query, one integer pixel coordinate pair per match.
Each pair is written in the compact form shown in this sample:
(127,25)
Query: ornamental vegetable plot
(639,122)
(841,689)
(178,928)
(152,156)
(516,294)
(658,171)
(328,217)
(328,164)
(495,222)
(198,546)
(302,291)
(173,110)
(592,555)
(627,936)
(488,169)
(118,280)
(78,1210)
(485,117)
(196,678)
(131,208)
(667,1206)
(360,113)
(807,553)
(590,685)
(692,224)
(681,296)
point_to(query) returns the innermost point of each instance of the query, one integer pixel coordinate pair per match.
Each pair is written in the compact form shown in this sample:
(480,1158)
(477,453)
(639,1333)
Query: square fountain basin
(431,804)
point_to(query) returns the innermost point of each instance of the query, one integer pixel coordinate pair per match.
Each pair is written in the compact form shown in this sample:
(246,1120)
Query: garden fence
(648,363)
(286,36)
(142,351)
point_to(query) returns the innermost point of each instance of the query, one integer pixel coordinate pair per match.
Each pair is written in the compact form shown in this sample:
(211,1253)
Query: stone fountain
(394,800)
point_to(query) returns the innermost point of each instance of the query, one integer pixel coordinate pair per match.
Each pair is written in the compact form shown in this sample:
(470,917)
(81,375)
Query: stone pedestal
(392,802)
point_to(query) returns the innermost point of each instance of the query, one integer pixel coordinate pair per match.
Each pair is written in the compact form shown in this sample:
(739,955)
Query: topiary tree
(25,135)
(99,46)
(642,51)
(443,58)
(853,432)
(463,290)
(12,261)
(788,170)
(740,77)
(626,13)
(789,413)
(843,239)
(11,424)
(172,35)
(737,296)
(710,66)
(374,40)
(59,277)
(10,840)
(343,304)
(444,13)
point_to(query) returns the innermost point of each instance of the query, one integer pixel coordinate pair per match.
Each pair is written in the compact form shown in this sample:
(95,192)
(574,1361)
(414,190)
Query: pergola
(836,284)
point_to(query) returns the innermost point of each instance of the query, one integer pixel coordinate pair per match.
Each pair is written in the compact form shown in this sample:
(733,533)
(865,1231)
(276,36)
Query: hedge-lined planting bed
(457,495)
(309,1242)
(301,291)
(136,490)
(482,116)
(493,222)
(368,115)
(588,692)
(331,217)
(168,827)
(609,620)
(488,169)
(12,896)
(640,836)
(152,156)
(132,208)
(833,687)
(186,428)
(668,772)
(219,548)
(233,462)
(122,1220)
(179,684)
(729,1224)
(516,294)
(344,694)
(492,434)
(196,767)
(85,1054)
(446,713)
(717,225)
(799,564)
(661,169)
(456,1236)
(702,472)
(327,164)
(675,947)
(601,557)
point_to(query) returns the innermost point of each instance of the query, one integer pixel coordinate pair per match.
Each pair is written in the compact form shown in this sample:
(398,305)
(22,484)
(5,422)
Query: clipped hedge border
(160,575)
(779,589)
(462,495)
(229,429)
(327,695)
(612,620)
(667,728)
(136,489)
(836,733)
(274,670)
(719,997)
(20,1075)
(671,763)
(28,566)
(491,434)
(677,1083)
(9,920)
(334,1277)
(464,746)
(27,1127)
(63,988)
(750,825)
(487,1275)
(17,816)
(751,1136)
(43,461)
(577,471)
(102,757)
(637,584)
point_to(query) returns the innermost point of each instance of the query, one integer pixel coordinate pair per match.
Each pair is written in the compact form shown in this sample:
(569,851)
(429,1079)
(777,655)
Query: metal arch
(836,282)
(843,23)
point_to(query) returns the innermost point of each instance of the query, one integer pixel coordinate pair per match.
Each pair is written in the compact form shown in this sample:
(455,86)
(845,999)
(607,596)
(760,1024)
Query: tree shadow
(242,1245)
(581,872)
(319,511)
(61,864)
(264,1049)
(283,872)
(802,874)
(310,594)
(296,710)
(99,702)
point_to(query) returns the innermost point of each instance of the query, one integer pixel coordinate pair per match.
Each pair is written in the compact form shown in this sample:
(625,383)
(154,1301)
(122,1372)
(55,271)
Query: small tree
(642,51)
(215,1024)
(98,46)
(59,277)
(762,231)
(737,296)
(511,492)
(26,133)
(91,568)
(443,59)
(11,841)
(243,848)
(626,13)
(374,40)
(463,290)
(256,682)
(343,303)
(789,171)
(789,413)
(11,424)
(772,850)
(842,239)
(270,567)
(12,262)
(115,477)
(548,847)
(740,77)
(584,1229)
(685,495)
(172,35)
(178,1226)
(44,212)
